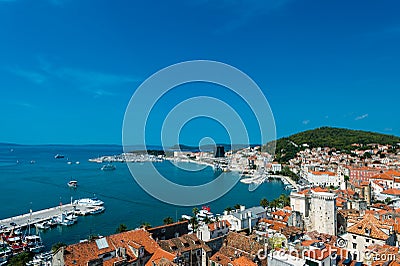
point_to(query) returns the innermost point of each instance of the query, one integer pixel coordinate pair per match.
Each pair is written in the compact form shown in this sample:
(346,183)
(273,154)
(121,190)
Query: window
(354,245)
(367,240)
(354,237)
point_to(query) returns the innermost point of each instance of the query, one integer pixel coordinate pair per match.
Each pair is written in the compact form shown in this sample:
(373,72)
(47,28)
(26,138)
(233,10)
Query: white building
(325,178)
(211,231)
(244,218)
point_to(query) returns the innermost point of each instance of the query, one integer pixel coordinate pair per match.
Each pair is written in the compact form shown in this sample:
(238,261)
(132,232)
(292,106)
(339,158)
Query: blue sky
(68,68)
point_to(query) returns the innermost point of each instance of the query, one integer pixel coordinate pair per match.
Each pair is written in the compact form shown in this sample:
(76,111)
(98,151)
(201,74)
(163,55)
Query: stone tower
(323,212)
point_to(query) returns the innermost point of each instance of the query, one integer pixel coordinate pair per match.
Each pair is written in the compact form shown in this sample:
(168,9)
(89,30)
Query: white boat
(58,156)
(33,243)
(89,202)
(108,167)
(64,219)
(73,184)
(69,163)
(42,226)
(97,210)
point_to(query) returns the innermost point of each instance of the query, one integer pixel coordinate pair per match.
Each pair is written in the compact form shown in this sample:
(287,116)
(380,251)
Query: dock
(32,218)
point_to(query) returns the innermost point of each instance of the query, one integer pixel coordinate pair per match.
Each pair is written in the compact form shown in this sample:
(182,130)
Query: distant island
(338,138)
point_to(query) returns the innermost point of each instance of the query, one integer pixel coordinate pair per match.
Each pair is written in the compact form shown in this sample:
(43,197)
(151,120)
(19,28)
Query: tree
(346,178)
(21,259)
(168,220)
(237,206)
(264,203)
(145,225)
(228,209)
(207,220)
(57,246)
(195,211)
(273,204)
(194,223)
(121,228)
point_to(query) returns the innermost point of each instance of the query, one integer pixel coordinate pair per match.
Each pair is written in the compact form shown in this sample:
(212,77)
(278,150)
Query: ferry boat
(58,156)
(73,184)
(89,202)
(108,167)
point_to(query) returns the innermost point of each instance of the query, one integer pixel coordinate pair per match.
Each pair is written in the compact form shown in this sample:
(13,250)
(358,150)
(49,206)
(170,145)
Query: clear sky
(68,68)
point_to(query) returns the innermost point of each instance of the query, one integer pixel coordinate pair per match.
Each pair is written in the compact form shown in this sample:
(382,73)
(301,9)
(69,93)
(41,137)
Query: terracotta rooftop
(392,191)
(369,226)
(82,253)
(183,243)
(217,225)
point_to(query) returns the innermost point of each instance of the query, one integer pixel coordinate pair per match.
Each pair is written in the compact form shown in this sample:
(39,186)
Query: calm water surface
(44,184)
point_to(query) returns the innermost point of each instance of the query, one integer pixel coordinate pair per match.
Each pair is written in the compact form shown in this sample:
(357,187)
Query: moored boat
(108,167)
(42,226)
(58,156)
(89,202)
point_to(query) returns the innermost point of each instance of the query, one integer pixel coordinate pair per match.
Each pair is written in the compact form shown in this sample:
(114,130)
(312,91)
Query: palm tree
(237,206)
(264,203)
(145,225)
(194,222)
(195,211)
(121,228)
(168,220)
(228,209)
(207,220)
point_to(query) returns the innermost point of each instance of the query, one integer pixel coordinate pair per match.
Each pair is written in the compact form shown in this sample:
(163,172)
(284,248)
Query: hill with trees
(338,138)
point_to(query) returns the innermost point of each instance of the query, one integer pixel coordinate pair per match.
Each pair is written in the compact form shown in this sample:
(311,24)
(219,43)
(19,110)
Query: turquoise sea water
(44,183)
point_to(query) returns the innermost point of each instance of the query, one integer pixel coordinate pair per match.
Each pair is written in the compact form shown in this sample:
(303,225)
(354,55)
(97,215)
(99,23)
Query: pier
(32,218)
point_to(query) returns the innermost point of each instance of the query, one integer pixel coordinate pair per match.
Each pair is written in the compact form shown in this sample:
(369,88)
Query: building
(324,178)
(220,152)
(364,233)
(210,231)
(188,250)
(235,247)
(165,232)
(243,218)
(135,248)
(317,209)
(213,234)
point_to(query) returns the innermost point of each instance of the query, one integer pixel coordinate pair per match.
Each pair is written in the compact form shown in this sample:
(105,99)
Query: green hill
(339,138)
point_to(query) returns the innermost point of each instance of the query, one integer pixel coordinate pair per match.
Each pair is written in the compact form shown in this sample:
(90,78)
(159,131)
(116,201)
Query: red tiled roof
(369,226)
(220,224)
(392,191)
(323,173)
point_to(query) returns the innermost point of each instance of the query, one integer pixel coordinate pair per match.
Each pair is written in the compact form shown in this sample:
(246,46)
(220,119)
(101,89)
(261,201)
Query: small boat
(108,167)
(63,219)
(69,163)
(58,156)
(33,243)
(97,210)
(89,202)
(42,226)
(73,184)
(78,162)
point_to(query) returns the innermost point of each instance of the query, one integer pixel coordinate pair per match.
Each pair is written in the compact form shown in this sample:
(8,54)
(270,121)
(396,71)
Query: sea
(31,178)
